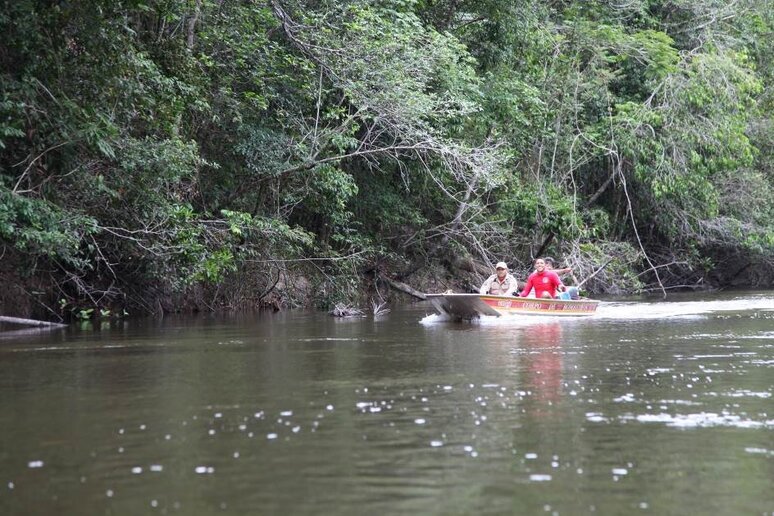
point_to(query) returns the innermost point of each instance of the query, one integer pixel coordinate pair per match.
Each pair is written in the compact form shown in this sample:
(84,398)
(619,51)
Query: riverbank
(39,297)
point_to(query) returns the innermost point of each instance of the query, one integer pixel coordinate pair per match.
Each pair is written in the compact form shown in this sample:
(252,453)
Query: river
(652,407)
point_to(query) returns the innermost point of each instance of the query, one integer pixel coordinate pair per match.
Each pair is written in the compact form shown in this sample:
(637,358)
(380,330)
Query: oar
(594,273)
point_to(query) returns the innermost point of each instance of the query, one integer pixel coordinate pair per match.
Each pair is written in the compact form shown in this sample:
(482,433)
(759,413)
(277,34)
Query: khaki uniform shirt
(492,286)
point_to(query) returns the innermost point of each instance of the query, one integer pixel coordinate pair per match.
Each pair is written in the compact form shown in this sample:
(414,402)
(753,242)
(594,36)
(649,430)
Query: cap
(501,265)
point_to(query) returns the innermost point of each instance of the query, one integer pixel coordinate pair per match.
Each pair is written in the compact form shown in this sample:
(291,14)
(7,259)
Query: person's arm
(562,272)
(513,285)
(558,283)
(527,287)
(485,287)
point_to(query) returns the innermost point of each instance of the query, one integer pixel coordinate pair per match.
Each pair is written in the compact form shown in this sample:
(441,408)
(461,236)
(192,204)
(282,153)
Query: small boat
(469,306)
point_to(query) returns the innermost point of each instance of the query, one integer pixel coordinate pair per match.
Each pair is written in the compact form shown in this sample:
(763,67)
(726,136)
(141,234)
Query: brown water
(653,408)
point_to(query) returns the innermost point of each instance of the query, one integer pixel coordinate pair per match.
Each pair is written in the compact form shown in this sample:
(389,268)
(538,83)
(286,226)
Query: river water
(647,407)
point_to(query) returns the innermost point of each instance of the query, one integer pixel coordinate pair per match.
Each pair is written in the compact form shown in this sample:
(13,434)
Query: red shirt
(546,281)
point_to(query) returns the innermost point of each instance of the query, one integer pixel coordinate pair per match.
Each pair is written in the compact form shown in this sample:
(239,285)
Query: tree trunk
(192,24)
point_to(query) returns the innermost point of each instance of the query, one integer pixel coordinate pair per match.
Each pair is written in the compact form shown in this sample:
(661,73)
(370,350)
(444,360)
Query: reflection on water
(542,355)
(655,407)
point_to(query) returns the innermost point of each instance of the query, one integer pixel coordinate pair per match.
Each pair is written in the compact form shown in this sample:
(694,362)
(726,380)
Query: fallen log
(29,322)
(397,285)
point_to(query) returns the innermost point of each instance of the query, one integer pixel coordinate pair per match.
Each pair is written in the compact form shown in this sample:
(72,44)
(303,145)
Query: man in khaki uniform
(500,284)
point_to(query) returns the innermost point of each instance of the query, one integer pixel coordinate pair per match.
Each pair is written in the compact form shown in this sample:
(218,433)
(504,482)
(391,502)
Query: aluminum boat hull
(469,306)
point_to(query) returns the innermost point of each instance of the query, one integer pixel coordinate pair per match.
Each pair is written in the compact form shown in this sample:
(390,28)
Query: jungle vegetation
(160,155)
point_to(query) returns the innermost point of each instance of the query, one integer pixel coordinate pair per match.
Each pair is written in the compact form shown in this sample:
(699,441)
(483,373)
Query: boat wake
(681,309)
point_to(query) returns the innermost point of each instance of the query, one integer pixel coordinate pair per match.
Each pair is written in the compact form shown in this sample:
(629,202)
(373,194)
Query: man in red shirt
(545,282)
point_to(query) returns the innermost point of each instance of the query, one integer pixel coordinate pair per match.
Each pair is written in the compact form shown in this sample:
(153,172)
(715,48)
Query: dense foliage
(158,154)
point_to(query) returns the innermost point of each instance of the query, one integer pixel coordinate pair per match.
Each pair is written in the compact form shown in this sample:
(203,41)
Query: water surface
(652,407)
